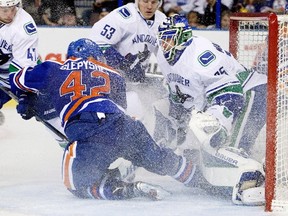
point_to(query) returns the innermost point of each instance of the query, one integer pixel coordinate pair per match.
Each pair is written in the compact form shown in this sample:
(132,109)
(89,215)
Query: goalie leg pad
(243,174)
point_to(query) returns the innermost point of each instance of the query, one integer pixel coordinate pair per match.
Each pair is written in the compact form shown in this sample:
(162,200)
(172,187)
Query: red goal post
(260,41)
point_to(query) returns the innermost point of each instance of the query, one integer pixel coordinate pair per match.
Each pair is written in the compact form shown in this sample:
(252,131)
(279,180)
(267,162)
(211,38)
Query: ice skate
(153,192)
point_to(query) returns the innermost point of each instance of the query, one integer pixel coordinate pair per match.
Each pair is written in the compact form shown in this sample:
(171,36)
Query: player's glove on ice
(24,107)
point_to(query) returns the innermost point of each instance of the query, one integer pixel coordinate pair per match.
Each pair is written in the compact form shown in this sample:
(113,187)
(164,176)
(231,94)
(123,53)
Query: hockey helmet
(9,3)
(85,48)
(174,35)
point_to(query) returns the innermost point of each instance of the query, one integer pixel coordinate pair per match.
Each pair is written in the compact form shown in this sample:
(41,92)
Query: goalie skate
(253,196)
(250,189)
(153,192)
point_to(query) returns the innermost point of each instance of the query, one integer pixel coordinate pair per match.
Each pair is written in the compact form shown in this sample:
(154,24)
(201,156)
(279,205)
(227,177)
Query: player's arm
(25,85)
(111,30)
(25,48)
(29,79)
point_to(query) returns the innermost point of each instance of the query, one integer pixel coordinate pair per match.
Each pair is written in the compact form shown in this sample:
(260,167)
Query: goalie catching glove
(208,129)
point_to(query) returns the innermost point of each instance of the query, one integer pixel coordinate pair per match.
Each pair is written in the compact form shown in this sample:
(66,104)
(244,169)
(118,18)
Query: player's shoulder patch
(206,58)
(30,28)
(125,12)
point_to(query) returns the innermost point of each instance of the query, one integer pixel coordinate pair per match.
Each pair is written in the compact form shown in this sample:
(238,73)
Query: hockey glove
(24,107)
(131,64)
(205,121)
(208,129)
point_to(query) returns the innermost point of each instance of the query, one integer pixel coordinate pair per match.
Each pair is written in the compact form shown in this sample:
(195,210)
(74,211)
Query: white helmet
(9,3)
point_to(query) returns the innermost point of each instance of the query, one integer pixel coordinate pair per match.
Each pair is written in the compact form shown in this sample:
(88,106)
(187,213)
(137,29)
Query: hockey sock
(185,171)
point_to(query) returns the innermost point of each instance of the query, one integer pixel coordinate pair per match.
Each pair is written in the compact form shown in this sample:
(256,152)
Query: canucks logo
(124,12)
(206,58)
(30,28)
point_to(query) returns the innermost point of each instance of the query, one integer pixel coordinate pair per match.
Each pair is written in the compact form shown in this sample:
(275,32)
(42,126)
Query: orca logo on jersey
(178,96)
(30,28)
(124,12)
(206,58)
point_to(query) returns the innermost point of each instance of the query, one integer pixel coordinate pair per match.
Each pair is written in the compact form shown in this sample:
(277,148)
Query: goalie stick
(47,124)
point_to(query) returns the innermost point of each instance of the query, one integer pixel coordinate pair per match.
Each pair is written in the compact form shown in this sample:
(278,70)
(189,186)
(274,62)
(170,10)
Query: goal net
(260,41)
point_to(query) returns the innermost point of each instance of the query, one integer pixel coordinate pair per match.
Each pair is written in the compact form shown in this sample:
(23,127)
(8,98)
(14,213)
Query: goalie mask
(174,35)
(85,48)
(9,3)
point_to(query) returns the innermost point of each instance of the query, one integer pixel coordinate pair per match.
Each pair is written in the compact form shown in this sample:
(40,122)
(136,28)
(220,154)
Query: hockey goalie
(214,111)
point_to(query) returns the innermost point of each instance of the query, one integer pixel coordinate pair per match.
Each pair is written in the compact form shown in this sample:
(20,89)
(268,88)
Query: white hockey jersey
(203,69)
(18,43)
(126,30)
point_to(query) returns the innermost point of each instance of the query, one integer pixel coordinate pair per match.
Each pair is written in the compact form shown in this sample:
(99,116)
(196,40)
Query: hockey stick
(47,124)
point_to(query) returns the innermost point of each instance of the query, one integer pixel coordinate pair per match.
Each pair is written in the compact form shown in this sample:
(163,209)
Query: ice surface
(30,183)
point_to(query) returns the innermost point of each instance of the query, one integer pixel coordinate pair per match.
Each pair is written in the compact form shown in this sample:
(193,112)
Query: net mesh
(252,51)
(281,184)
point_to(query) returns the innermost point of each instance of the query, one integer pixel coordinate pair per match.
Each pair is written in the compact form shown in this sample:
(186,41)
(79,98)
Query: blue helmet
(174,35)
(85,48)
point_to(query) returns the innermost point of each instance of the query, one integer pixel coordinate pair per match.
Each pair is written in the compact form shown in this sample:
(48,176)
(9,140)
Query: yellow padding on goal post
(10,104)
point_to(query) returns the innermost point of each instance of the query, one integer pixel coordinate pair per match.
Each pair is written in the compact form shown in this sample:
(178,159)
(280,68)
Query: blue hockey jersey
(75,86)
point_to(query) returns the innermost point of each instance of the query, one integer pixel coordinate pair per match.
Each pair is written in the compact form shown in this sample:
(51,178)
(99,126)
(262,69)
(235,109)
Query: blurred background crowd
(202,14)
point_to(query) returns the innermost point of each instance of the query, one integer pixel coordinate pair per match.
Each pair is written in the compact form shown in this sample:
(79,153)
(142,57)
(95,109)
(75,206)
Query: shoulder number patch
(206,58)
(30,28)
